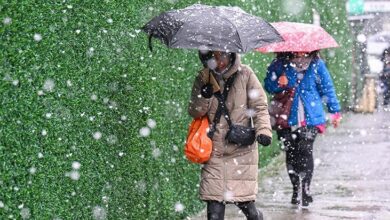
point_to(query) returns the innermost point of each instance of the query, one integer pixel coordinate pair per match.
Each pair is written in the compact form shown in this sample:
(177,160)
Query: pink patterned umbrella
(299,37)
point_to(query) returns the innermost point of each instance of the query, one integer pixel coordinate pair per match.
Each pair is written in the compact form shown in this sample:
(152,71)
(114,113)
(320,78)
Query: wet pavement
(351,177)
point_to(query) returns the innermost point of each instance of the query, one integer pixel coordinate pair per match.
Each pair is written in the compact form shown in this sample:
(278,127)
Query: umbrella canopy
(300,37)
(216,28)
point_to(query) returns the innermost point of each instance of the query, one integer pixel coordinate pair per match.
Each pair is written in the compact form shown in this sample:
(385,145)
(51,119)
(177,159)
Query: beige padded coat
(231,173)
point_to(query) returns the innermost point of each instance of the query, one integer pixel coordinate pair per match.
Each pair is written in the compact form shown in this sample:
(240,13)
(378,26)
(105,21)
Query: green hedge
(72,69)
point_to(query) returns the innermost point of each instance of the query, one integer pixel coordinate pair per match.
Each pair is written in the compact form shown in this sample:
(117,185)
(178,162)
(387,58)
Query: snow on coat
(231,174)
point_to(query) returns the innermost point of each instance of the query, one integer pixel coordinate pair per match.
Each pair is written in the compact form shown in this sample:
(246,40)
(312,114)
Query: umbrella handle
(150,43)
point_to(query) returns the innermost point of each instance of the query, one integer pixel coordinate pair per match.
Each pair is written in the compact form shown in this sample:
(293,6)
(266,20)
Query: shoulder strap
(221,105)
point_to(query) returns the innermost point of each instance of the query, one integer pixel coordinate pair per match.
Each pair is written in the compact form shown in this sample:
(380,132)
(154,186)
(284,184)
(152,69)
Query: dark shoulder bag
(237,134)
(280,107)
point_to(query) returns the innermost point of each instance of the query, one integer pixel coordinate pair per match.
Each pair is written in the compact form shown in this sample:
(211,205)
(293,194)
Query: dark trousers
(216,210)
(386,95)
(299,155)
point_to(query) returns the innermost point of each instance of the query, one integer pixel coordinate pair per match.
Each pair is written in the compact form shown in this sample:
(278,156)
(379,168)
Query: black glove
(264,140)
(207,91)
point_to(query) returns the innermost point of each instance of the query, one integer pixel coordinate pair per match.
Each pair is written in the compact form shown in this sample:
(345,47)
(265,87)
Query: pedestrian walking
(385,76)
(303,77)
(225,93)
(231,96)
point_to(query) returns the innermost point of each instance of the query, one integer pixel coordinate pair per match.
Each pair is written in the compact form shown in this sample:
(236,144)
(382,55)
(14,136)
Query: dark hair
(204,57)
(284,55)
(290,55)
(315,54)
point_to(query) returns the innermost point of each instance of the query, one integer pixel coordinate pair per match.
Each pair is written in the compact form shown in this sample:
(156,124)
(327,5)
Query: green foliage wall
(78,84)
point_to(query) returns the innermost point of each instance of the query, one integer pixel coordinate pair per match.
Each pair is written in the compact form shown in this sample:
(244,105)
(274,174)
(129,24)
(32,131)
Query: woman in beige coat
(230,176)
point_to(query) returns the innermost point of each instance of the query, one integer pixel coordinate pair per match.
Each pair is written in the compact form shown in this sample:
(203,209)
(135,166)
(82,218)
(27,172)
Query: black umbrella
(216,28)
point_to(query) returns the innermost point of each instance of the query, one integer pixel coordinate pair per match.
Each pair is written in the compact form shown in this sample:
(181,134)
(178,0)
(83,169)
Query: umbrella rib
(179,29)
(238,34)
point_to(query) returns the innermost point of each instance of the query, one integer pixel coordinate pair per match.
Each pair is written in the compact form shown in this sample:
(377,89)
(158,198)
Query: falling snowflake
(7,21)
(179,207)
(1,204)
(43,132)
(25,213)
(362,38)
(294,136)
(37,37)
(94,97)
(254,93)
(90,51)
(228,195)
(74,175)
(274,76)
(40,155)
(32,170)
(317,162)
(97,135)
(151,123)
(144,132)
(123,117)
(76,165)
(284,117)
(250,112)
(156,153)
(110,21)
(212,64)
(15,82)
(105,199)
(99,213)
(49,85)
(363,132)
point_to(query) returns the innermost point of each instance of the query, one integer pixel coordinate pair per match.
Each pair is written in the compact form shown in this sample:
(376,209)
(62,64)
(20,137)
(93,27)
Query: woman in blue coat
(308,75)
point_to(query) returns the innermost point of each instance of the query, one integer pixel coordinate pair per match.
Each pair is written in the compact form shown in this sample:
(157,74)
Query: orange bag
(198,145)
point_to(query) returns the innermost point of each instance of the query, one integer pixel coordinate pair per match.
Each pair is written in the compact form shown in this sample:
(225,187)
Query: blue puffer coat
(315,87)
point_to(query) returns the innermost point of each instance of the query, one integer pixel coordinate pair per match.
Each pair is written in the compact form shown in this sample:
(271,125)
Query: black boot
(295,182)
(250,211)
(306,197)
(294,198)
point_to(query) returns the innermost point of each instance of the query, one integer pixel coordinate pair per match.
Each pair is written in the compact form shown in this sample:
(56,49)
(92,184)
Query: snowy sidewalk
(351,179)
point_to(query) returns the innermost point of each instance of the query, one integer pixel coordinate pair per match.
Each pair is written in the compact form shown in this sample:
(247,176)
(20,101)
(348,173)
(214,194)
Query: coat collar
(233,69)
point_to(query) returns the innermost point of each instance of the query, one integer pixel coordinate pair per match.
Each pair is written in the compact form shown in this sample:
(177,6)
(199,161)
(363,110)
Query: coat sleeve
(257,100)
(326,88)
(198,105)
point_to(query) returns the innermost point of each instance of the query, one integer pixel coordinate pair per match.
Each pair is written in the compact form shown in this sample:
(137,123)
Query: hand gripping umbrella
(216,28)
(300,37)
